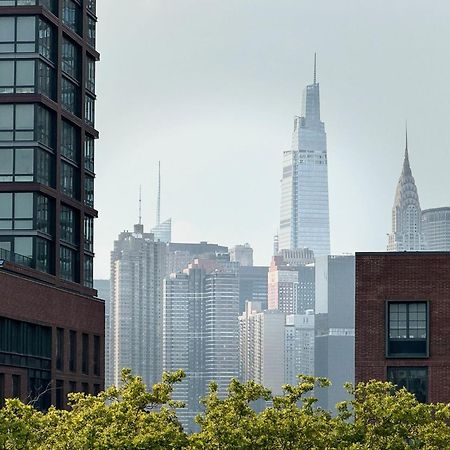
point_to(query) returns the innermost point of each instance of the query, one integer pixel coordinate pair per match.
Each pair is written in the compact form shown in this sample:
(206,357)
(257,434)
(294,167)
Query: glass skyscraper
(304,218)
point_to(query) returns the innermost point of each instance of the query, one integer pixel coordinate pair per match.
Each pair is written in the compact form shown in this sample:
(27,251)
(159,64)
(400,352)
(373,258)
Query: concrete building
(436,229)
(262,346)
(304,212)
(406,232)
(48,311)
(243,254)
(137,270)
(402,317)
(335,326)
(253,286)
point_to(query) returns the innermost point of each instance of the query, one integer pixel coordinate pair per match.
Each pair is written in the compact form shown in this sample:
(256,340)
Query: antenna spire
(140,204)
(315,68)
(158,205)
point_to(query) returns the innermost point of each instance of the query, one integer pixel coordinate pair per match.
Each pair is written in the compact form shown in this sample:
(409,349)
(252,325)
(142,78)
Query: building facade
(47,134)
(406,232)
(304,213)
(253,286)
(243,254)
(137,271)
(436,229)
(402,316)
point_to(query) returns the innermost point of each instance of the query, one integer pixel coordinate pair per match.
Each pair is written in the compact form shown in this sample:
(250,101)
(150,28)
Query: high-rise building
(243,254)
(335,326)
(304,214)
(262,346)
(138,266)
(436,229)
(406,234)
(47,134)
(162,230)
(252,285)
(402,317)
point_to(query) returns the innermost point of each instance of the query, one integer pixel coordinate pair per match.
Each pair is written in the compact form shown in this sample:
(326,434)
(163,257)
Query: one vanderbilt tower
(304,218)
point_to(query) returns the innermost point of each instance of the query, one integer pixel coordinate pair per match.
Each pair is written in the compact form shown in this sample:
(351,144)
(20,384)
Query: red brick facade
(34,302)
(403,276)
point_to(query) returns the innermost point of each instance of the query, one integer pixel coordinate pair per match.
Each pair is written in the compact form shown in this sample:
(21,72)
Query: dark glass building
(47,135)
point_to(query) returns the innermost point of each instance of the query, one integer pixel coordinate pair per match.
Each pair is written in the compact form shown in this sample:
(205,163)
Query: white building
(243,254)
(436,229)
(304,212)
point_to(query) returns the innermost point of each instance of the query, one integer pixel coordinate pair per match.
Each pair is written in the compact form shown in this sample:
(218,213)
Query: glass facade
(42,145)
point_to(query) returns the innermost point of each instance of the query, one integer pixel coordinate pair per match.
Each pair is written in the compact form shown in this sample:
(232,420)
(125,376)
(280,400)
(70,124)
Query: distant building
(335,326)
(163,231)
(402,321)
(243,254)
(253,285)
(262,346)
(436,229)
(137,270)
(406,234)
(104,293)
(299,346)
(304,215)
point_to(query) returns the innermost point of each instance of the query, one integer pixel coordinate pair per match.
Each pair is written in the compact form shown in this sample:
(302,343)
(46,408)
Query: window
(91,5)
(67,259)
(49,4)
(71,60)
(89,110)
(88,271)
(70,141)
(44,163)
(16,164)
(70,96)
(91,32)
(46,40)
(90,76)
(68,180)
(89,191)
(2,390)
(89,153)
(407,329)
(89,233)
(17,122)
(16,211)
(17,34)
(71,15)
(43,255)
(414,379)
(68,225)
(85,354)
(17,76)
(59,394)
(97,355)
(16,388)
(44,214)
(46,80)
(73,386)
(85,388)
(45,127)
(60,349)
(73,353)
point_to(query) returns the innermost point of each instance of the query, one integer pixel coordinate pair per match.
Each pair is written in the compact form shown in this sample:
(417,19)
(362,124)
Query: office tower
(179,254)
(252,285)
(406,234)
(200,329)
(137,270)
(299,346)
(262,346)
(162,230)
(335,326)
(103,288)
(47,134)
(243,254)
(304,213)
(436,229)
(402,317)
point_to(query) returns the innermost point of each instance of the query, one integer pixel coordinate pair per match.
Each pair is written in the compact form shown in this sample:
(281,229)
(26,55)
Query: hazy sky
(210,88)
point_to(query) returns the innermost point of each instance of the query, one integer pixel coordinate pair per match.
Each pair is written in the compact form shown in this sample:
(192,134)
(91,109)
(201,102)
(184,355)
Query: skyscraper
(137,271)
(436,229)
(47,134)
(304,213)
(162,230)
(406,233)
(243,254)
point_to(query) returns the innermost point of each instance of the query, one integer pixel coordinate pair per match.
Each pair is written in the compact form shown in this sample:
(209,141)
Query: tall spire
(140,204)
(406,166)
(158,203)
(315,68)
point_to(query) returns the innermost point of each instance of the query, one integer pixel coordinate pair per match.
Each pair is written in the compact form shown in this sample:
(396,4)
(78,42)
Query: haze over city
(211,88)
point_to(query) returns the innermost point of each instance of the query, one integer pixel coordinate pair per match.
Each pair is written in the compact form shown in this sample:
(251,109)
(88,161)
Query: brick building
(402,321)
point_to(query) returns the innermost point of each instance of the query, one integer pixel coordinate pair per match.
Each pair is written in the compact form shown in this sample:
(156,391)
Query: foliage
(377,417)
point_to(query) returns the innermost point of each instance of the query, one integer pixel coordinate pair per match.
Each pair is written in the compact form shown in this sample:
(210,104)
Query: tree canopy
(378,416)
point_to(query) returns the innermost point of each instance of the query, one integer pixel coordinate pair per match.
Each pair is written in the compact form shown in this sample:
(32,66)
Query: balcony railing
(16,258)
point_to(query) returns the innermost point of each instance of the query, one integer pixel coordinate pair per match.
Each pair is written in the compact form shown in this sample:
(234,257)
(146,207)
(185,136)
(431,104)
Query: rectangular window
(413,379)
(85,388)
(89,233)
(16,211)
(46,80)
(70,141)
(44,214)
(85,354)
(89,191)
(16,388)
(68,225)
(44,162)
(89,110)
(60,349)
(73,386)
(71,15)
(46,40)
(88,271)
(59,394)
(91,5)
(67,263)
(97,356)
(89,153)
(17,76)
(49,4)
(70,96)
(17,164)
(90,76)
(96,389)
(73,352)
(45,127)
(91,32)
(2,390)
(407,329)
(71,60)
(43,248)
(68,182)
(17,34)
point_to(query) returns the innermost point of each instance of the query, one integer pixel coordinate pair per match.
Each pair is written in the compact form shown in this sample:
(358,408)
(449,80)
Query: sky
(210,88)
